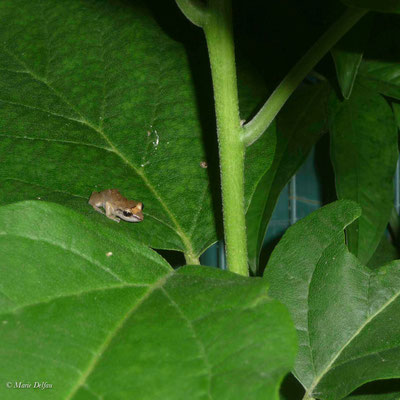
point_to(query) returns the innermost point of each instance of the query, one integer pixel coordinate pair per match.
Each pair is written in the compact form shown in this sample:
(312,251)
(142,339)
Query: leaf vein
(95,360)
(71,250)
(203,353)
(43,111)
(18,309)
(356,333)
(57,141)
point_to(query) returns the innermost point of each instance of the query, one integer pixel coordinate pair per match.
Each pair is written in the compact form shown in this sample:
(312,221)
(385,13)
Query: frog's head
(131,214)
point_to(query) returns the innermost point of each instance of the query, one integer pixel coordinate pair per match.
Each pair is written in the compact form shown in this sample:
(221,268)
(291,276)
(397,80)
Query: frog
(116,206)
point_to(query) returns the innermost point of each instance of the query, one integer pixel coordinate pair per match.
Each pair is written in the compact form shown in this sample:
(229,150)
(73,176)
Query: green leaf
(346,315)
(378,390)
(396,111)
(364,155)
(386,6)
(258,161)
(348,53)
(303,245)
(97,95)
(260,155)
(299,126)
(94,95)
(380,396)
(125,325)
(384,253)
(381,76)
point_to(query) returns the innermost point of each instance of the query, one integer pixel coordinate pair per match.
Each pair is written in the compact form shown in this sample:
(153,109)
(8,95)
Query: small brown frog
(117,207)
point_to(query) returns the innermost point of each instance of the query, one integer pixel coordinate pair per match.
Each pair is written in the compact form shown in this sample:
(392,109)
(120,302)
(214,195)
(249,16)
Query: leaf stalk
(194,10)
(191,259)
(261,121)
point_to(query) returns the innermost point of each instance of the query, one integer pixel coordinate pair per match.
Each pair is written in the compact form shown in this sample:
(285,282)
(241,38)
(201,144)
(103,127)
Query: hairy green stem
(258,125)
(219,36)
(194,11)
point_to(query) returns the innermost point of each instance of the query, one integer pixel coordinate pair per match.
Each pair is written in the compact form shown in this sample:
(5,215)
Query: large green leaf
(396,111)
(384,253)
(386,6)
(382,76)
(97,315)
(378,390)
(299,126)
(303,245)
(346,315)
(348,53)
(96,95)
(380,396)
(364,155)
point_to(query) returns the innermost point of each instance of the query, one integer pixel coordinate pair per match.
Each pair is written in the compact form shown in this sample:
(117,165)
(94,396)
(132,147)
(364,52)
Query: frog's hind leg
(110,212)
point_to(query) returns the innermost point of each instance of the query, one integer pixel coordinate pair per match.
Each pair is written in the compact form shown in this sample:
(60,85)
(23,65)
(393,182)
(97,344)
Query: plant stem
(219,36)
(191,260)
(308,397)
(258,125)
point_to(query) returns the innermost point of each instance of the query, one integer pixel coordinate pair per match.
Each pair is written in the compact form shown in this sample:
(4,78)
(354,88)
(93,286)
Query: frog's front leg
(98,209)
(110,212)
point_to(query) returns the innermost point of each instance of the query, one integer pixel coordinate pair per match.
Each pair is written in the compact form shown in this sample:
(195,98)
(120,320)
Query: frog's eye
(127,214)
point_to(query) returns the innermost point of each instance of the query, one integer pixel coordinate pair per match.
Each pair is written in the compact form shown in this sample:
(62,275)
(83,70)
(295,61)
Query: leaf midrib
(196,338)
(21,307)
(354,336)
(93,363)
